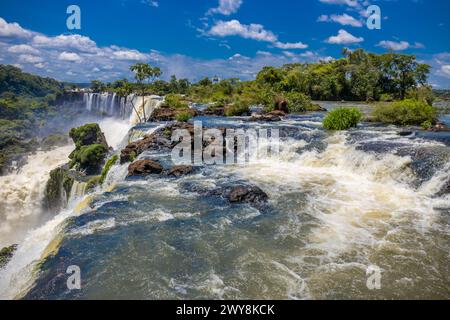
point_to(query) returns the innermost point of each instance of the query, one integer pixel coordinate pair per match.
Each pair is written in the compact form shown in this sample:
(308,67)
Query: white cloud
(288,45)
(446,69)
(235,28)
(350,3)
(400,45)
(69,56)
(253,31)
(13,30)
(22,48)
(343,37)
(129,55)
(227,7)
(151,3)
(74,41)
(344,19)
(28,58)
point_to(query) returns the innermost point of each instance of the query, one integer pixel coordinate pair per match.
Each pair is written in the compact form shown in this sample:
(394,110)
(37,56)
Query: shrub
(175,101)
(424,94)
(403,113)
(342,119)
(426,125)
(386,97)
(298,102)
(236,110)
(183,116)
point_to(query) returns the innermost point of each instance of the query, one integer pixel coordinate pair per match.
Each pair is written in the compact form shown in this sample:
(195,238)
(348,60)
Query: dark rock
(439,127)
(144,168)
(214,111)
(6,254)
(57,190)
(405,133)
(169,114)
(246,194)
(273,116)
(178,171)
(159,140)
(281,105)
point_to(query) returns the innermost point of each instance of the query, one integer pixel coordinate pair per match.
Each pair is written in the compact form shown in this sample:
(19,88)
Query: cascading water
(22,193)
(110,105)
(338,204)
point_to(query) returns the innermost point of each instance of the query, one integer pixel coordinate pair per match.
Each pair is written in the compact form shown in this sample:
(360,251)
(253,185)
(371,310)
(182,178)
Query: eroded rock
(142,168)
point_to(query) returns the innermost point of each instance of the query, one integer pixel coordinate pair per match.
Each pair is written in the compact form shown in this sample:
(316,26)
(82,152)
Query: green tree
(144,73)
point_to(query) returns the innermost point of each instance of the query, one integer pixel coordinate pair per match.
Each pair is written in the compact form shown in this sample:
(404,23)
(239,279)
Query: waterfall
(22,194)
(78,190)
(110,105)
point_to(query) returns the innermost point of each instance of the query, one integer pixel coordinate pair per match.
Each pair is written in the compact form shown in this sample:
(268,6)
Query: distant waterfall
(110,105)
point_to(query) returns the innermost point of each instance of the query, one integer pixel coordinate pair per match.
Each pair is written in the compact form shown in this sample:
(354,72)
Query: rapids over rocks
(337,204)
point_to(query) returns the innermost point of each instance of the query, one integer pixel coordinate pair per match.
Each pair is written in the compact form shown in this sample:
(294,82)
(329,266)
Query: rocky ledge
(6,254)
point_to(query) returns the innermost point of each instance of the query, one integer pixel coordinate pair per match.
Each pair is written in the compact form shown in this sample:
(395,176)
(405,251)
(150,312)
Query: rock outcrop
(91,149)
(6,254)
(178,171)
(142,168)
(246,194)
(57,190)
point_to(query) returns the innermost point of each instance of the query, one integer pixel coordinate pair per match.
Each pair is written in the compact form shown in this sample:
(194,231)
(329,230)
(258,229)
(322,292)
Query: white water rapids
(361,205)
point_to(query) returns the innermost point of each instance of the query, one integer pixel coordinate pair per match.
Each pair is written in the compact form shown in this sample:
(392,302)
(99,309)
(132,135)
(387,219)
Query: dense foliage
(13,80)
(406,112)
(342,119)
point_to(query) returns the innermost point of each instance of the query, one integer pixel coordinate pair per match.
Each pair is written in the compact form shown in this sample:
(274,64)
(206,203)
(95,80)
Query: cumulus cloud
(252,31)
(13,30)
(69,56)
(74,41)
(131,55)
(22,48)
(28,58)
(400,45)
(344,19)
(226,7)
(344,37)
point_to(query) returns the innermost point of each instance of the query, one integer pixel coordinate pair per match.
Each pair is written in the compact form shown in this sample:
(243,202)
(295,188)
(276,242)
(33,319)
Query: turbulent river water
(339,204)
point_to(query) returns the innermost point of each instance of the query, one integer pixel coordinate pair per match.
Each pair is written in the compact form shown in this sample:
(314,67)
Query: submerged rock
(142,168)
(273,116)
(405,133)
(178,171)
(246,194)
(6,254)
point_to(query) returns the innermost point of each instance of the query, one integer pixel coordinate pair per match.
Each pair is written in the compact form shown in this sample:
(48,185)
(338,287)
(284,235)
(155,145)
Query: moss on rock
(57,190)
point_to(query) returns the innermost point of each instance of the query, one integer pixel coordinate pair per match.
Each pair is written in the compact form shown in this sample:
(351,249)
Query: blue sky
(228,38)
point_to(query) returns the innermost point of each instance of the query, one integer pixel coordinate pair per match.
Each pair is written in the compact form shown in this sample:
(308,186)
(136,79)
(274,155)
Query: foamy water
(22,193)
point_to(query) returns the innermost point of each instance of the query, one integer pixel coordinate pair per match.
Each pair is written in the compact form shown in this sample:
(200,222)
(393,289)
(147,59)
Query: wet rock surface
(142,168)
(179,171)
(6,254)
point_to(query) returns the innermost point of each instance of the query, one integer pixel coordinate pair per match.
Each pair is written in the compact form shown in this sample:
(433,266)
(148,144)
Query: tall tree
(144,74)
